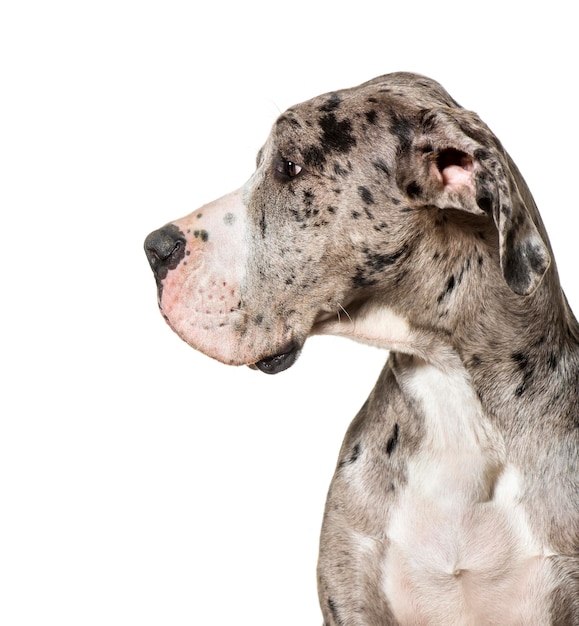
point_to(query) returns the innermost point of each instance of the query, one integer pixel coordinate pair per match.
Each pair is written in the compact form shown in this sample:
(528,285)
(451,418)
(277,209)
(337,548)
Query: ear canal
(455,167)
(457,163)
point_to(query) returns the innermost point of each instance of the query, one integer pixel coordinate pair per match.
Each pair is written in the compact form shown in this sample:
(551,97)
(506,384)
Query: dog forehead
(326,125)
(320,111)
(337,123)
(396,91)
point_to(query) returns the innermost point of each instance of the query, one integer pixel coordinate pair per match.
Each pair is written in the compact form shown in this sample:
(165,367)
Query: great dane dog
(390,214)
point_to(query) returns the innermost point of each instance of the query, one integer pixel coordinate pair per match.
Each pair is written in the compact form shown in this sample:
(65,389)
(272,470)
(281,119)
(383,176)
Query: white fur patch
(461,551)
(378,327)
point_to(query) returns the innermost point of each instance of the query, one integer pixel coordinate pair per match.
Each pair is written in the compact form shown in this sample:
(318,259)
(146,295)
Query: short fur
(390,214)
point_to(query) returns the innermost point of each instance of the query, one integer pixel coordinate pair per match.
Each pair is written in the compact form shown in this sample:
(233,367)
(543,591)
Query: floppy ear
(455,162)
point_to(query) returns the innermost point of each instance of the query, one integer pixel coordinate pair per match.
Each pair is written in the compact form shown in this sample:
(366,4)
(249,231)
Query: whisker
(346,312)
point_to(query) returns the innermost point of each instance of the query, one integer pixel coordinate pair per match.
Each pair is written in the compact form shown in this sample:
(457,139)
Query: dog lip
(280,361)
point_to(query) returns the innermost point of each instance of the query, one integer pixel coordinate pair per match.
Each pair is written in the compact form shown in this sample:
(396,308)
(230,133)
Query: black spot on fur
(337,135)
(553,361)
(486,189)
(414,190)
(334,611)
(377,262)
(297,215)
(475,360)
(381,166)
(521,359)
(288,117)
(314,157)
(201,234)
(361,279)
(366,195)
(354,456)
(536,258)
(340,171)
(520,389)
(523,364)
(481,154)
(371,116)
(393,441)
(402,128)
(484,199)
(309,197)
(448,289)
(331,104)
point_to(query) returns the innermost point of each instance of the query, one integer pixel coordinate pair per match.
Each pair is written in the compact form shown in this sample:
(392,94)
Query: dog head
(339,221)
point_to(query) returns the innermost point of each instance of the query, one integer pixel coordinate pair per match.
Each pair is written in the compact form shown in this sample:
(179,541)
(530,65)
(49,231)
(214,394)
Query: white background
(140,482)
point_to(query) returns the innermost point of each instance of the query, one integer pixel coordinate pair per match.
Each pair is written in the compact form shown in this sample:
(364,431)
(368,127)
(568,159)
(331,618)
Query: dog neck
(531,352)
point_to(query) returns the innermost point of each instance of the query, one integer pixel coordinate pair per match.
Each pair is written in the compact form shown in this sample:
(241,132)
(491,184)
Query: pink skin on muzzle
(201,297)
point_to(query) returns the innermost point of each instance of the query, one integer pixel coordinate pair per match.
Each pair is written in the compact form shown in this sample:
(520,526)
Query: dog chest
(460,548)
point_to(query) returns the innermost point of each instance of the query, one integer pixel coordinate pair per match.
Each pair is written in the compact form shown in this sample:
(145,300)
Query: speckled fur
(390,214)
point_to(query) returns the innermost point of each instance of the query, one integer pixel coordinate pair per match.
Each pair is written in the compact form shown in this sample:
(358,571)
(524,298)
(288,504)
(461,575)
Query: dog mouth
(280,361)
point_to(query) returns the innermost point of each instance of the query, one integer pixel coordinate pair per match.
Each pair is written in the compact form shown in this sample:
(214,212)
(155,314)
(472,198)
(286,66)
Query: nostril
(164,249)
(164,252)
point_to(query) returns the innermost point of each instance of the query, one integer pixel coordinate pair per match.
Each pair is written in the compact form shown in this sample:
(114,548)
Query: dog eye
(292,169)
(289,168)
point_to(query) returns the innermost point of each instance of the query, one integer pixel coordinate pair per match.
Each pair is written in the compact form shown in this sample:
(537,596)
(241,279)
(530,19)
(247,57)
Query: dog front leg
(350,578)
